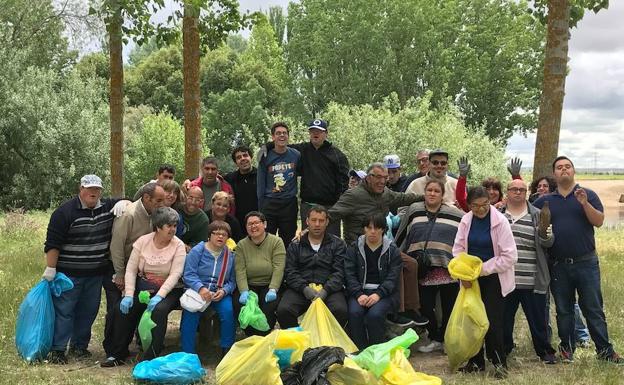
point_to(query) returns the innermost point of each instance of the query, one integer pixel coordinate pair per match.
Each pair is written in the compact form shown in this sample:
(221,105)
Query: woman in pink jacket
(484,232)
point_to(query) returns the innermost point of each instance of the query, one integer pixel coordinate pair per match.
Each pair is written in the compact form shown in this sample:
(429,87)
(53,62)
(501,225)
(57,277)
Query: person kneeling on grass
(372,268)
(209,270)
(155,265)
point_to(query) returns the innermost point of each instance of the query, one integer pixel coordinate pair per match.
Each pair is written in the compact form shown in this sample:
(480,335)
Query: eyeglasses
(517,190)
(439,162)
(254,223)
(423,160)
(193,199)
(281,133)
(220,234)
(475,206)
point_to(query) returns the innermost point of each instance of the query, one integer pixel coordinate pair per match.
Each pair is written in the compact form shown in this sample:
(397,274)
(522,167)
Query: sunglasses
(439,162)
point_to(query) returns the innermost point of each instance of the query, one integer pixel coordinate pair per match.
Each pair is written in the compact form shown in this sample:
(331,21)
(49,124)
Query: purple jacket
(505,252)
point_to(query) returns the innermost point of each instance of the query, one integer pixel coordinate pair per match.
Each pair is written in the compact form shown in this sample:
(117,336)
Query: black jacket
(324,173)
(305,266)
(245,194)
(389,265)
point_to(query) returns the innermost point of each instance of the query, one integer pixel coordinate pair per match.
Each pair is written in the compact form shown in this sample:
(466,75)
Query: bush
(365,134)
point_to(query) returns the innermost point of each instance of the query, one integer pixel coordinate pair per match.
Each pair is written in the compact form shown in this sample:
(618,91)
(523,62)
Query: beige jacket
(134,223)
(450,184)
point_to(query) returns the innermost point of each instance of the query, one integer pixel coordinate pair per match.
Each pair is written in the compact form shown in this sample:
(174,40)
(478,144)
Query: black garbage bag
(312,369)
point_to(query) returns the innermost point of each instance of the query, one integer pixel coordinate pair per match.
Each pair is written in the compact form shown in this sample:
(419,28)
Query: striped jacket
(82,236)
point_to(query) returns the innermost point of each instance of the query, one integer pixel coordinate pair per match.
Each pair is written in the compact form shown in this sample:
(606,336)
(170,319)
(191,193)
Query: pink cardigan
(505,252)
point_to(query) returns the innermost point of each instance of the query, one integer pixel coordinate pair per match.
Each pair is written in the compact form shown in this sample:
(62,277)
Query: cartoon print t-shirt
(277,175)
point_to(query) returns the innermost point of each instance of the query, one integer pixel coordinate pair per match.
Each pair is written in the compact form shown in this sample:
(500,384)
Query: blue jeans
(76,310)
(582,277)
(580,330)
(190,321)
(367,325)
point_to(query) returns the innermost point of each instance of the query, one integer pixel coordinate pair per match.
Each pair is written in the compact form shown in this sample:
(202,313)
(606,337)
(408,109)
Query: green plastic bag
(146,324)
(376,358)
(252,315)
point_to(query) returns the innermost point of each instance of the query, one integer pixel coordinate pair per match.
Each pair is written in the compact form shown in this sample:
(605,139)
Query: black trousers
(268,308)
(534,307)
(428,294)
(495,310)
(124,325)
(293,304)
(113,296)
(281,216)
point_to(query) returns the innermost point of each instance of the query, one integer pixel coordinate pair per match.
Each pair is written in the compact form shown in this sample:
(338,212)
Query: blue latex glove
(125,304)
(153,302)
(243,297)
(270,296)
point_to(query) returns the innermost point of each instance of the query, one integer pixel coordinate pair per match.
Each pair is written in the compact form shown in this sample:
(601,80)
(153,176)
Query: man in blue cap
(324,172)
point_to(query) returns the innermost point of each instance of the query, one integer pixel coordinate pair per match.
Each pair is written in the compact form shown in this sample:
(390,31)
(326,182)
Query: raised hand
(515,164)
(464,166)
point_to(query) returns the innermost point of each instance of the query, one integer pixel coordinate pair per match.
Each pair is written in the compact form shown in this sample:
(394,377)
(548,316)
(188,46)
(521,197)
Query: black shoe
(112,362)
(472,368)
(401,320)
(78,353)
(614,358)
(57,357)
(549,358)
(419,319)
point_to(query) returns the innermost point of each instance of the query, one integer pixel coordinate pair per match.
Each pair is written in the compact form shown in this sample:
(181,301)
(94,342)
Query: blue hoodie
(202,269)
(277,175)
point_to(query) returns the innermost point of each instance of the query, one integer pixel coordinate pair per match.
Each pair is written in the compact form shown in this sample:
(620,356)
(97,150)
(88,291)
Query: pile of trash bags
(318,353)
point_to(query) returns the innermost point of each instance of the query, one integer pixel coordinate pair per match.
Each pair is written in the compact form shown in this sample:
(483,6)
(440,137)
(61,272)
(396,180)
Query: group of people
(223,238)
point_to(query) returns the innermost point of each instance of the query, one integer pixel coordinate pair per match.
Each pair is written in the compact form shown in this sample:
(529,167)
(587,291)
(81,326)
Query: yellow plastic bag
(324,329)
(250,362)
(468,322)
(401,372)
(350,373)
(292,339)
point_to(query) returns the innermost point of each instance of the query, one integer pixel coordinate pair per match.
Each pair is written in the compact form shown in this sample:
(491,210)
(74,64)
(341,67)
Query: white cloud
(592,126)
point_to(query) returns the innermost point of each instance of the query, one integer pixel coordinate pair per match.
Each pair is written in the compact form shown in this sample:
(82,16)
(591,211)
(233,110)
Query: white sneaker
(431,347)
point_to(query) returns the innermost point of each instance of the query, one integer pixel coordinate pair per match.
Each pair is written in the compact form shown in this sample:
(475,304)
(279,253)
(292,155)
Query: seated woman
(209,270)
(260,262)
(486,233)
(155,265)
(372,269)
(219,211)
(430,227)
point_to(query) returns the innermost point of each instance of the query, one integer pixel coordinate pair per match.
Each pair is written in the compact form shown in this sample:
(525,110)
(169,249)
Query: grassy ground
(21,265)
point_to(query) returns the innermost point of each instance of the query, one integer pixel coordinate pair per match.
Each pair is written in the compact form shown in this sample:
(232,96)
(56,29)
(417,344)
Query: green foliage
(35,33)
(577,9)
(484,55)
(366,133)
(52,132)
(157,81)
(145,153)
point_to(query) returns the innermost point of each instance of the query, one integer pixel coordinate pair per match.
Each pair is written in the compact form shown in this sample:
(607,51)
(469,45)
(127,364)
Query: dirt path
(609,192)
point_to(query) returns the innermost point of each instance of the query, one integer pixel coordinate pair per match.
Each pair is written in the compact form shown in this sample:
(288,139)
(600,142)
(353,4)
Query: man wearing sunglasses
(438,168)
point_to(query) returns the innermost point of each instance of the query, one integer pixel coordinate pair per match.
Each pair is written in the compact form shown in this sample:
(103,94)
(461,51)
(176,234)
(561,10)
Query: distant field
(599,177)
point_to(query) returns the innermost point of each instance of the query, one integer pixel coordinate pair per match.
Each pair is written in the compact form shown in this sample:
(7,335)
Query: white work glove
(549,232)
(49,273)
(120,207)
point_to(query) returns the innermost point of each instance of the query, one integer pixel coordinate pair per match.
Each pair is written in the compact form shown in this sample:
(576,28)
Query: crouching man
(316,258)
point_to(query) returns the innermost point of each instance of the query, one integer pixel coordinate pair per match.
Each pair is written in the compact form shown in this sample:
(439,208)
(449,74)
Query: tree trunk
(553,91)
(192,103)
(116,100)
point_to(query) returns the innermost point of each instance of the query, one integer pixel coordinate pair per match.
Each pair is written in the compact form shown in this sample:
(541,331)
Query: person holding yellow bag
(486,233)
(372,269)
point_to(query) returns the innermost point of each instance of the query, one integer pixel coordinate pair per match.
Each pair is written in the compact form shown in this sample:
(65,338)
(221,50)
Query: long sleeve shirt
(260,265)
